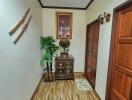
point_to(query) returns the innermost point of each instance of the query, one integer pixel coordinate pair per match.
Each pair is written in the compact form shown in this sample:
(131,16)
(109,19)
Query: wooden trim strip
(96,94)
(40,3)
(78,73)
(119,95)
(124,4)
(124,70)
(56,7)
(36,90)
(92,22)
(89,4)
(107,96)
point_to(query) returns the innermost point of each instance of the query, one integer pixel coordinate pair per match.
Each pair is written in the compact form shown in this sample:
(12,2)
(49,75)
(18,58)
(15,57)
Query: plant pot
(46,77)
(51,78)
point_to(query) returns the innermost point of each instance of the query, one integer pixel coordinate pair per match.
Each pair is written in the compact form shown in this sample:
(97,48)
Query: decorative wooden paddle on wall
(21,24)
(23,30)
(15,28)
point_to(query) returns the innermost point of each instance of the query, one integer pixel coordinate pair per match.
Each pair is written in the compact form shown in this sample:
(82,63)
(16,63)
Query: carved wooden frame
(64,25)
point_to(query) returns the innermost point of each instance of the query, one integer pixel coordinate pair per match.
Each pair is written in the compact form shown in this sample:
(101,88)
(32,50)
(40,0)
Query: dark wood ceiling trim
(56,7)
(40,3)
(89,4)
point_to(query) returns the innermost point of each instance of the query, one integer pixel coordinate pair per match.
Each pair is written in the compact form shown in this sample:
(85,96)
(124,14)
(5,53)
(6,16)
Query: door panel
(124,56)
(121,84)
(95,49)
(89,49)
(91,52)
(121,55)
(114,97)
(126,17)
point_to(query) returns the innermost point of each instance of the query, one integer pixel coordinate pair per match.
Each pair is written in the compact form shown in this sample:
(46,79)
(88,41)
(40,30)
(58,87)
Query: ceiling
(66,4)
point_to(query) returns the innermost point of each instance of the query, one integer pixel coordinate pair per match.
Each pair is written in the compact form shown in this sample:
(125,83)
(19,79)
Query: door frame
(113,33)
(87,30)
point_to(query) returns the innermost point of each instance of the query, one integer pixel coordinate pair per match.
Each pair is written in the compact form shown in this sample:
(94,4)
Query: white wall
(19,64)
(77,47)
(99,7)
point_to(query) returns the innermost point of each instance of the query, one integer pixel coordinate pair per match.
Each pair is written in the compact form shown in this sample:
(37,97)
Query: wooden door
(121,55)
(91,52)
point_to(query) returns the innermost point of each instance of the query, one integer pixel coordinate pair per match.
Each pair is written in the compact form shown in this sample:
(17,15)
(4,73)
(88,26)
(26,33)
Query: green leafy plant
(48,48)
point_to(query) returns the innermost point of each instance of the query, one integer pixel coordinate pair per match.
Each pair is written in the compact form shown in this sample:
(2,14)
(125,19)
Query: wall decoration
(64,25)
(107,16)
(101,19)
(15,28)
(23,30)
(18,30)
(104,18)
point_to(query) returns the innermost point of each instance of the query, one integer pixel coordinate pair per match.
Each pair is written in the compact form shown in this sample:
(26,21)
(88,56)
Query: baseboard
(97,95)
(78,73)
(36,90)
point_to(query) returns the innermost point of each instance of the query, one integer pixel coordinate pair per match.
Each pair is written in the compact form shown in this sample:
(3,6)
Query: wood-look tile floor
(63,90)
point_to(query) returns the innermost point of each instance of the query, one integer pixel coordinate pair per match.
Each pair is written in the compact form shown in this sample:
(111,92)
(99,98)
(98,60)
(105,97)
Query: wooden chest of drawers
(64,68)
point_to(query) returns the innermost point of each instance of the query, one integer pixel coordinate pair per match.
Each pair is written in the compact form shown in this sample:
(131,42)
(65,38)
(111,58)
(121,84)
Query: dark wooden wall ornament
(104,18)
(16,27)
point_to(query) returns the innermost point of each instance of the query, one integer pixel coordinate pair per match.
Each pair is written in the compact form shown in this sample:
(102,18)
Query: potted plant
(48,48)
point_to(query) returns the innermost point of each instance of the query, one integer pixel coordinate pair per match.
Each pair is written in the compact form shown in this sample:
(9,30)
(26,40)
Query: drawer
(66,63)
(64,68)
